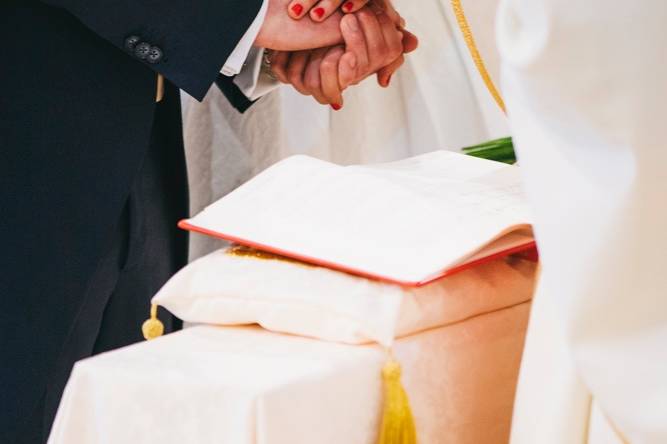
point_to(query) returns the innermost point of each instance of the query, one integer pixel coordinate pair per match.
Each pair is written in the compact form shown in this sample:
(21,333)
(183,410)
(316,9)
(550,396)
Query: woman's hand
(280,32)
(321,9)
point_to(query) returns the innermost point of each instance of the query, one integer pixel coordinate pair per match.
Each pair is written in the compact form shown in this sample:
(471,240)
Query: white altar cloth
(245,385)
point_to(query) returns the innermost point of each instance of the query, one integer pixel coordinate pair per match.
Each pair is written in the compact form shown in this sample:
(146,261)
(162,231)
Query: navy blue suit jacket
(76,111)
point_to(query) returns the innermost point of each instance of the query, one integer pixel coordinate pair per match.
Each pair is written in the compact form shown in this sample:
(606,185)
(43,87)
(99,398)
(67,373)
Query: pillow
(237,286)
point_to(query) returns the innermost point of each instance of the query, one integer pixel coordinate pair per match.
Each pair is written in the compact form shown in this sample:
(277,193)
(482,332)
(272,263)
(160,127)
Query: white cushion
(290,297)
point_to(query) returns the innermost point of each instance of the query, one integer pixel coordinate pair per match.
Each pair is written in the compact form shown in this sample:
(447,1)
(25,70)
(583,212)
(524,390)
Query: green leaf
(501,141)
(500,150)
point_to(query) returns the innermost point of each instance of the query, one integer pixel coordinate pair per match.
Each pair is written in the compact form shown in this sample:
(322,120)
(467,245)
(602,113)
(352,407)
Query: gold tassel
(153,327)
(398,425)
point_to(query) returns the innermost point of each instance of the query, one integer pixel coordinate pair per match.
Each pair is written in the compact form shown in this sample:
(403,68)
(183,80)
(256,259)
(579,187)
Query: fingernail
(349,6)
(337,107)
(387,81)
(297,9)
(319,12)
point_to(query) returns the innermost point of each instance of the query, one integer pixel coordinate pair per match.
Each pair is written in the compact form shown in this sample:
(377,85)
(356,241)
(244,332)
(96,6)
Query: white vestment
(436,101)
(586,85)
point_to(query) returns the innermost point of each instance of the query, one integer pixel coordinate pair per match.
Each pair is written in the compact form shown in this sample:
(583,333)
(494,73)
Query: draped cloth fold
(245,385)
(585,89)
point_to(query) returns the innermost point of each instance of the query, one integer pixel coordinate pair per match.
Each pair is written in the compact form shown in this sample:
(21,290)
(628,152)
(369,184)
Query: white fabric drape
(245,385)
(436,101)
(586,85)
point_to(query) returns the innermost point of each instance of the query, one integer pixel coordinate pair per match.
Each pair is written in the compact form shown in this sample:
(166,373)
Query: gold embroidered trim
(474,52)
(243,251)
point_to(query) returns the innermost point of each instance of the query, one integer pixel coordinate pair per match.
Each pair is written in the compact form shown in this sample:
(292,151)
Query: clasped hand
(325,56)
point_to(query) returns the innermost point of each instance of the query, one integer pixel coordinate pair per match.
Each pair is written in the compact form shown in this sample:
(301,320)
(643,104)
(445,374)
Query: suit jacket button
(154,55)
(131,42)
(141,50)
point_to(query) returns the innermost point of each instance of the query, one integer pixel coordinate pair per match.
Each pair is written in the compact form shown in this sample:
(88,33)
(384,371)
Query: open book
(408,222)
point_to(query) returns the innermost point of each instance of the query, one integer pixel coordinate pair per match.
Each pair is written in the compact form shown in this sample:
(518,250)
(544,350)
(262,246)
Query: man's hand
(312,73)
(281,32)
(373,44)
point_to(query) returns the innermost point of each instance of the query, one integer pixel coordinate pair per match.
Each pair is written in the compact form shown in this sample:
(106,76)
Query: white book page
(405,220)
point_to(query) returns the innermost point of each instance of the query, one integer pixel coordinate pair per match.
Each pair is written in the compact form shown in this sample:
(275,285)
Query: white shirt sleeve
(245,62)
(253,81)
(237,58)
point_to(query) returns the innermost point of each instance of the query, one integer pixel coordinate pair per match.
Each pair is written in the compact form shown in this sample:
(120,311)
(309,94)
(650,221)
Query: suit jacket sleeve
(195,37)
(233,93)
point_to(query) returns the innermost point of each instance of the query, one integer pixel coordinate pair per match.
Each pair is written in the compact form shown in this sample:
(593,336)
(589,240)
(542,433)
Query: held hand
(281,32)
(388,8)
(373,44)
(312,73)
(320,10)
(410,41)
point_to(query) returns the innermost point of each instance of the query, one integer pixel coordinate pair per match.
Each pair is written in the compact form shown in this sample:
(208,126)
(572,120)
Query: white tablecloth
(246,385)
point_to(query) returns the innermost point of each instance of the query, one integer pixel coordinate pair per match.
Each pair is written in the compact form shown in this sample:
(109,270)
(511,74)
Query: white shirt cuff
(237,59)
(253,81)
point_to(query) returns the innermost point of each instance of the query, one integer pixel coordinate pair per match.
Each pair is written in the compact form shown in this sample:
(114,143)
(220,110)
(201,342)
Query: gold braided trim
(247,252)
(474,52)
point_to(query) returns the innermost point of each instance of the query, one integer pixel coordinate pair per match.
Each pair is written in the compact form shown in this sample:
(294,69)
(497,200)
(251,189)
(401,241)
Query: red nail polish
(337,107)
(349,6)
(297,9)
(319,12)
